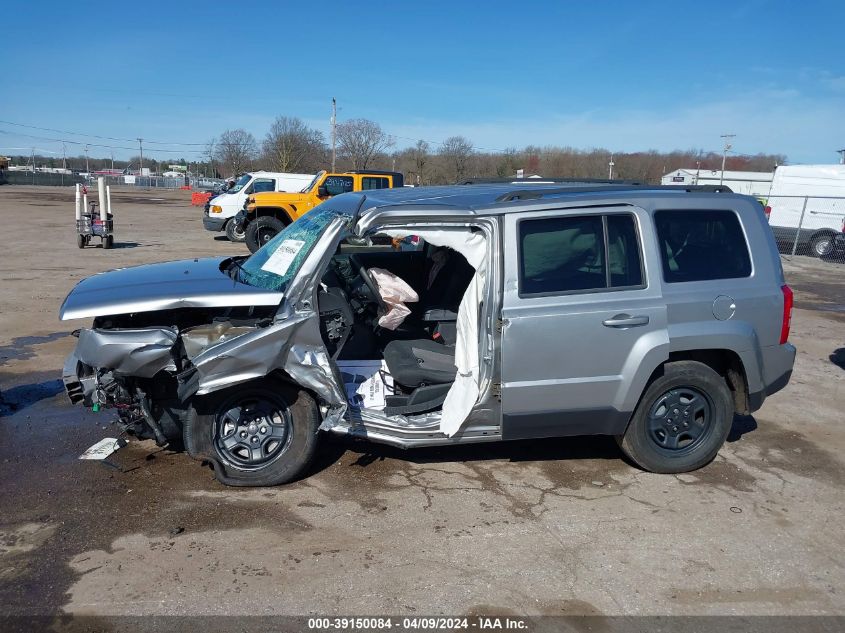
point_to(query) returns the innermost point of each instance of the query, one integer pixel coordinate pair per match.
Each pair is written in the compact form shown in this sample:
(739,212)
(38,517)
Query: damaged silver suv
(450,315)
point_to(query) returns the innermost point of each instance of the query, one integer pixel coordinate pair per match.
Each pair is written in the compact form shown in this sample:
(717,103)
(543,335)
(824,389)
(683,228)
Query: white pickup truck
(220,210)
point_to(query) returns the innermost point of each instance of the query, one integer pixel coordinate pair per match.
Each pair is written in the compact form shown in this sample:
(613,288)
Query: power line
(62,140)
(105,138)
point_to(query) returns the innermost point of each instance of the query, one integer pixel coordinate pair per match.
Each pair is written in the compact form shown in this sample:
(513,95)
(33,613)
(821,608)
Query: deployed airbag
(394,292)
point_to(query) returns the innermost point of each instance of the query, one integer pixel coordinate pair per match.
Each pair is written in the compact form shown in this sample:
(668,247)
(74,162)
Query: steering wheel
(369,282)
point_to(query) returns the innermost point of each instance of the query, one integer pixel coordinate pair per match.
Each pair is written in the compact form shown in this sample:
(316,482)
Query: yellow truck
(265,214)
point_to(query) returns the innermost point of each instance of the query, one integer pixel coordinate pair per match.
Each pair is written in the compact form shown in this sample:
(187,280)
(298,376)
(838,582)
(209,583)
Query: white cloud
(770,121)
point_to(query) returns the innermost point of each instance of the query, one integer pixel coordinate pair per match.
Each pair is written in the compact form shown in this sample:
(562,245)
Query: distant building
(750,183)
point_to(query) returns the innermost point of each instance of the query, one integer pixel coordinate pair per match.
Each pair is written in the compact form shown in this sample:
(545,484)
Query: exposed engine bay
(136,366)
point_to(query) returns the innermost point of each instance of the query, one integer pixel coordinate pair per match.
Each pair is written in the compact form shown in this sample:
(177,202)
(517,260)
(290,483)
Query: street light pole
(87,171)
(610,168)
(334,132)
(141,166)
(727,147)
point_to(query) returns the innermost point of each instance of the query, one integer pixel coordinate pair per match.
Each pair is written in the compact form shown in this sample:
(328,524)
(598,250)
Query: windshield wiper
(238,267)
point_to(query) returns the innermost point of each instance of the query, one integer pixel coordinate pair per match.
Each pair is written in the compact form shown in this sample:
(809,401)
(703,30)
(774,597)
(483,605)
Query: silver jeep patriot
(449,315)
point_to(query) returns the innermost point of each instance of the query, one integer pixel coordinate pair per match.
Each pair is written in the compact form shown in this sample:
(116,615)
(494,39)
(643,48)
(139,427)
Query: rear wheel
(682,420)
(108,241)
(262,230)
(821,245)
(234,232)
(261,433)
(81,240)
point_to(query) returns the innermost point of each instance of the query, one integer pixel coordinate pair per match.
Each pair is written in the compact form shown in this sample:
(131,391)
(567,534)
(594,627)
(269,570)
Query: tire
(233,233)
(697,428)
(262,230)
(261,450)
(821,245)
(81,240)
(108,241)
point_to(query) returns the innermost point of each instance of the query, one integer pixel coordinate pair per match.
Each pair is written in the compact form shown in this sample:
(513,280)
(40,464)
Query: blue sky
(621,75)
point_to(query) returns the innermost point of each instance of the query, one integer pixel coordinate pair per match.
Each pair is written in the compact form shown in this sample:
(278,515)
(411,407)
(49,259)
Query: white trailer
(807,203)
(749,183)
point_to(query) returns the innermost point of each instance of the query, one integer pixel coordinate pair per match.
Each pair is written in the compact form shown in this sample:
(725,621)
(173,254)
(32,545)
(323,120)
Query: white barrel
(101,193)
(78,204)
(85,202)
(108,200)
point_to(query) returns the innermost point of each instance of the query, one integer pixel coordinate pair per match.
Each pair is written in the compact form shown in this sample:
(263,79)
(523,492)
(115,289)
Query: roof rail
(543,181)
(536,194)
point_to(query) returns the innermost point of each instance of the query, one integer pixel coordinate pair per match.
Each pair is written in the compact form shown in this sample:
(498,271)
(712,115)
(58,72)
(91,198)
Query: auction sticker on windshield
(279,262)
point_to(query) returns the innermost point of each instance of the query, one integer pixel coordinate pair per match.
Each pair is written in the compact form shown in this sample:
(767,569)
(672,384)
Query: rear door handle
(625,320)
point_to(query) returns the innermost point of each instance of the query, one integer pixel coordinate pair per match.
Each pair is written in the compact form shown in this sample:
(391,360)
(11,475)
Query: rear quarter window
(700,245)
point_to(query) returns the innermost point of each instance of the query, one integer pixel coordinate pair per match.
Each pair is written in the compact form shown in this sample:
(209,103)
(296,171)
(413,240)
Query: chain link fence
(805,225)
(143,182)
(38,178)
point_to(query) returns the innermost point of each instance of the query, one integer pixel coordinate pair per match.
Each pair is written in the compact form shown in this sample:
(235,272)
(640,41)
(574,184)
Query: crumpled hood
(191,283)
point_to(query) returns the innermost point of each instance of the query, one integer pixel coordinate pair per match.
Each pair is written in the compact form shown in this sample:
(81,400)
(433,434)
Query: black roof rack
(535,194)
(541,181)
(398,178)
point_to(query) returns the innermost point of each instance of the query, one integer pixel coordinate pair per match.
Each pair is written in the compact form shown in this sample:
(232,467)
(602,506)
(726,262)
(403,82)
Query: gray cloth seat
(414,363)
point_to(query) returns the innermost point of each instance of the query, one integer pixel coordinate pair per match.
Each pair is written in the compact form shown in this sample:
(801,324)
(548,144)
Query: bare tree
(236,149)
(420,153)
(456,151)
(359,140)
(291,146)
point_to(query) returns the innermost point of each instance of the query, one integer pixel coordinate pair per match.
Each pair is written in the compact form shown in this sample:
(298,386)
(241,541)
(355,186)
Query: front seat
(419,362)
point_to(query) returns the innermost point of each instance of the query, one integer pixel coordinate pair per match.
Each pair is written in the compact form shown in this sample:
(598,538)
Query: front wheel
(234,231)
(681,421)
(262,433)
(262,230)
(821,245)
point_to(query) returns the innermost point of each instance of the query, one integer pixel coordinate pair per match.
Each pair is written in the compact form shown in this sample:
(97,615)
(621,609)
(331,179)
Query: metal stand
(90,225)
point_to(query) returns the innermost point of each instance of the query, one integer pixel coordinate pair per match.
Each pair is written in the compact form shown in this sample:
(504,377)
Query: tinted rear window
(572,254)
(701,245)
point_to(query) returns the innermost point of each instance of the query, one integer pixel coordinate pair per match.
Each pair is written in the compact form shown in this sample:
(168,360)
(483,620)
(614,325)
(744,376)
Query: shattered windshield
(276,263)
(242,181)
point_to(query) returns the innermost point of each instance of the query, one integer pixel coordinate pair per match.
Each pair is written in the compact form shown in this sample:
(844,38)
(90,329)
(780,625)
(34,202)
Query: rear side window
(701,245)
(368,182)
(263,185)
(582,253)
(336,185)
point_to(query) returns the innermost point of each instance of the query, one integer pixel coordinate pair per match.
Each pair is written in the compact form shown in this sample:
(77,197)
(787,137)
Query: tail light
(788,301)
(768,211)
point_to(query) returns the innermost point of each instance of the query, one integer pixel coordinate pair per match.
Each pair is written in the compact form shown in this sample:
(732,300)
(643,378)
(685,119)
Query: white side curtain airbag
(464,392)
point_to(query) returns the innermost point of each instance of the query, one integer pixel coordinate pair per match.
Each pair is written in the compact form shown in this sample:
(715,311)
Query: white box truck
(811,197)
(220,210)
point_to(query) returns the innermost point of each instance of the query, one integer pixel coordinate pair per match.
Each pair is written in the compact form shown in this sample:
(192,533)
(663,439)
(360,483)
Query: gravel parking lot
(547,527)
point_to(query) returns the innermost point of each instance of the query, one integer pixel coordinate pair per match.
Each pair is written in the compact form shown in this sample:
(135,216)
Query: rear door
(578,319)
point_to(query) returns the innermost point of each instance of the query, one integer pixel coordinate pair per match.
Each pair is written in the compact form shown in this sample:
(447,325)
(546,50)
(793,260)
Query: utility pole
(334,132)
(87,171)
(64,156)
(610,168)
(698,170)
(727,147)
(141,166)
(112,161)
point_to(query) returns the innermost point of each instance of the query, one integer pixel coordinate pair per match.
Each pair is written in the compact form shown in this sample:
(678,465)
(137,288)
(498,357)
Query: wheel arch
(725,362)
(280,213)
